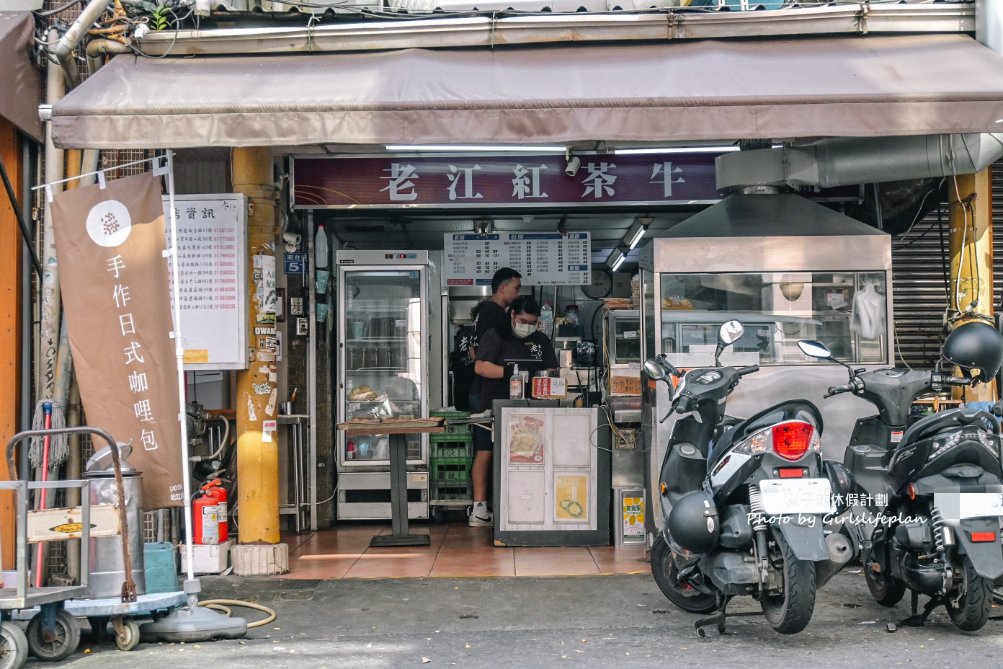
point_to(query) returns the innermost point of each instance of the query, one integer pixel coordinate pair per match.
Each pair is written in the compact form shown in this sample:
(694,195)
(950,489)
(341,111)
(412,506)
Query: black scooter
(744,502)
(938,535)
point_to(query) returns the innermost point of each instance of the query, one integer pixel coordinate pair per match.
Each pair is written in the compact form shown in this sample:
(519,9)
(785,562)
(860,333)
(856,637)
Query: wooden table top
(419,426)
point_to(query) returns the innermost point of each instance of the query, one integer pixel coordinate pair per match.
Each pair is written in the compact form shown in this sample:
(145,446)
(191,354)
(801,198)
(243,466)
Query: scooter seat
(931,425)
(789,410)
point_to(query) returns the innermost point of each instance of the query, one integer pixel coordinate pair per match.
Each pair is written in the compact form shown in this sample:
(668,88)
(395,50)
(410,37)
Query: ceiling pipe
(68,42)
(845,161)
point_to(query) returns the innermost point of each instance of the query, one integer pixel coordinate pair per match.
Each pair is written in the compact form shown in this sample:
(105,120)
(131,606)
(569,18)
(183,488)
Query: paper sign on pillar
(113,277)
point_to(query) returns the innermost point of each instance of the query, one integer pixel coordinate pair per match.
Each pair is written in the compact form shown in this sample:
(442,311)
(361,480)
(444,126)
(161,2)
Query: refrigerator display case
(382,373)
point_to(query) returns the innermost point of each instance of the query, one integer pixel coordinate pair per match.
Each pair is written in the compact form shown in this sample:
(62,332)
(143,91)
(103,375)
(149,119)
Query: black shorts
(482,439)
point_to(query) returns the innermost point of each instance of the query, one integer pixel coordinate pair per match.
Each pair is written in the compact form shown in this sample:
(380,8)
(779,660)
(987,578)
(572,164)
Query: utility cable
(222,604)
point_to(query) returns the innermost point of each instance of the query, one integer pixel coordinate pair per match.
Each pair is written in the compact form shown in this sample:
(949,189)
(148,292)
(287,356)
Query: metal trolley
(53,631)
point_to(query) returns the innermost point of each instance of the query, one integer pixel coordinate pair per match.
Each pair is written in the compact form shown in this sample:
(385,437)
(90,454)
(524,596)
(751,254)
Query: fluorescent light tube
(469,148)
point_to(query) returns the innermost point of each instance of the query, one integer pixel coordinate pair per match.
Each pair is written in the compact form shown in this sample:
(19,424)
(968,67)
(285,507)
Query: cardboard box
(548,387)
(208,558)
(625,382)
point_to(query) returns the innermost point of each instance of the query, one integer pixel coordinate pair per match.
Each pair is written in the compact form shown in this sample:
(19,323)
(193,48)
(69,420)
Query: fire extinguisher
(209,514)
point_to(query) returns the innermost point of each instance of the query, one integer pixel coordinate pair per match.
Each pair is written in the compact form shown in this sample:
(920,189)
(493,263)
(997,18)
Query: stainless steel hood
(780,232)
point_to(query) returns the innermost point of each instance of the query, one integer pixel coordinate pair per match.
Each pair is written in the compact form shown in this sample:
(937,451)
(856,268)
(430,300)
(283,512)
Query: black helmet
(693,522)
(975,345)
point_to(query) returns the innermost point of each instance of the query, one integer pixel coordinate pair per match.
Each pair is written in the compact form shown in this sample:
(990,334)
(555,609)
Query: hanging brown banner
(118,311)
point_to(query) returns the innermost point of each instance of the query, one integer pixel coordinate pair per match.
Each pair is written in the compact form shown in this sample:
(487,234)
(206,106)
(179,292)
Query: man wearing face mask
(515,339)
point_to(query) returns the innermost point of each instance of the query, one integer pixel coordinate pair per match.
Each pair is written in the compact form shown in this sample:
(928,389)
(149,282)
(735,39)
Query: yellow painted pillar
(971,242)
(257,450)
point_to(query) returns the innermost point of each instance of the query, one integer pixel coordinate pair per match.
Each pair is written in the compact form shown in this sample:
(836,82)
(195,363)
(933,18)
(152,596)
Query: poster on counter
(571,501)
(549,469)
(212,271)
(526,440)
(543,258)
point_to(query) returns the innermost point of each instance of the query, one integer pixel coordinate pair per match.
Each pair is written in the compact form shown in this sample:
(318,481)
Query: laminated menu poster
(571,501)
(526,440)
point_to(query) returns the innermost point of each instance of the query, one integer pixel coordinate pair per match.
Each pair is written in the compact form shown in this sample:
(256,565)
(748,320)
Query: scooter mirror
(814,349)
(730,332)
(654,370)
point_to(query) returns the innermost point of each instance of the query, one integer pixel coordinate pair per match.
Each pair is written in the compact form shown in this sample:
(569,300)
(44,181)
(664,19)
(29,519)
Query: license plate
(963,505)
(796,496)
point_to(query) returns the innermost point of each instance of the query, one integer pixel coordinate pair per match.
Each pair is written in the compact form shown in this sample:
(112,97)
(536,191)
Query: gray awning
(20,81)
(682,91)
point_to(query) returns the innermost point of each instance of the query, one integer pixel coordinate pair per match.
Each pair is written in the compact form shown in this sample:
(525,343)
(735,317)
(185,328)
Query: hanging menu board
(212,254)
(543,258)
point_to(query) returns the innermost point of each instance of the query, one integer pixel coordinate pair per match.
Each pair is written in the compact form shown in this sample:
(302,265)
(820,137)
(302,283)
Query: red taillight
(791,472)
(983,537)
(792,440)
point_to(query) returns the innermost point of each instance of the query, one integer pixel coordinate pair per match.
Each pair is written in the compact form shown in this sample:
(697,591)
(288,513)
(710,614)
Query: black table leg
(398,499)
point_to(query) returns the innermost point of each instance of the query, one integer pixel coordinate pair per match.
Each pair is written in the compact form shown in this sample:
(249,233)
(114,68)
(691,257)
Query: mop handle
(47,410)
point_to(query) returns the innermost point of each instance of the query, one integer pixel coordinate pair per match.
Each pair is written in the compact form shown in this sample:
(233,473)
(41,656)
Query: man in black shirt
(517,339)
(505,286)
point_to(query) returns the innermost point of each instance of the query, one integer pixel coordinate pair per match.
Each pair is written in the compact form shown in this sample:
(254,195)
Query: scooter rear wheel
(791,611)
(685,596)
(973,610)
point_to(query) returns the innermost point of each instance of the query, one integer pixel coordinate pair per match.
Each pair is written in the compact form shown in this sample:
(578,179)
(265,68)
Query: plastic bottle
(515,384)
(320,248)
(547,320)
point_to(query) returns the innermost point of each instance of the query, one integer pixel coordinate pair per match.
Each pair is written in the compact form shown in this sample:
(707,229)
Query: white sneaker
(480,517)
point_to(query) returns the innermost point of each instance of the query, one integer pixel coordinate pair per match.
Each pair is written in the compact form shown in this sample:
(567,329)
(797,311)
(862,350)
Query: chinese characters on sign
(110,243)
(212,272)
(543,258)
(494,180)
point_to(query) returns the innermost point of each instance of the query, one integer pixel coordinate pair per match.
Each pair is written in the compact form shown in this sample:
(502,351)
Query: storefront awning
(682,91)
(20,81)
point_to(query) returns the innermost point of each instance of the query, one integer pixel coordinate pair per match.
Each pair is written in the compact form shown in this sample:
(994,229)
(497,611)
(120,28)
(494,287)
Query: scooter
(744,501)
(938,534)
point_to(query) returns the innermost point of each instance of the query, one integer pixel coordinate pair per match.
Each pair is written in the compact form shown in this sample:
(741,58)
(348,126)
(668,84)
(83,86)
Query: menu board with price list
(212,260)
(543,258)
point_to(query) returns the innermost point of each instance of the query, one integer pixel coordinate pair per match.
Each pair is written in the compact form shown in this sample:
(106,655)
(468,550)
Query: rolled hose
(222,604)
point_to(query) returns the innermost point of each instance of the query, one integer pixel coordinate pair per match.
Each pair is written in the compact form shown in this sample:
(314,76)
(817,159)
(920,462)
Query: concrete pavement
(546,622)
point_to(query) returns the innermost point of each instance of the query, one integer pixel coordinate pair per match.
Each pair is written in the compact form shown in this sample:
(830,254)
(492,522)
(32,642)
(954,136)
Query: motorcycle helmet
(974,345)
(693,522)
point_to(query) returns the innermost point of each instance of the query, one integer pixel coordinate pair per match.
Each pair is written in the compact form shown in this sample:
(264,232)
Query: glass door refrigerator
(382,369)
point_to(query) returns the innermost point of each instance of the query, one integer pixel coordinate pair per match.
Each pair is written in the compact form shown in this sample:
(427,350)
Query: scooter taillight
(792,440)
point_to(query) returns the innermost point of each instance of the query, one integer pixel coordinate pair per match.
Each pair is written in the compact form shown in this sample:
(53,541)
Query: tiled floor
(456,551)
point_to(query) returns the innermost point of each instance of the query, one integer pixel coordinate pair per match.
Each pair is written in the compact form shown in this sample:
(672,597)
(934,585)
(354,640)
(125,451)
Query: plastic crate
(450,471)
(444,413)
(453,448)
(450,431)
(461,492)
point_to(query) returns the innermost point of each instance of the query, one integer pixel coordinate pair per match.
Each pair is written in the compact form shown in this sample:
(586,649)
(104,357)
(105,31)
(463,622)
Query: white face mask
(523,330)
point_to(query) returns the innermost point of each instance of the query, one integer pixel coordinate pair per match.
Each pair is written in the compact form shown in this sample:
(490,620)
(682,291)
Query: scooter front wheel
(683,595)
(885,588)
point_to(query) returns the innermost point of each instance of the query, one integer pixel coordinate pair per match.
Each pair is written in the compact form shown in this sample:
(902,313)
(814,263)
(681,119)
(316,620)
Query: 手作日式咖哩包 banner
(113,277)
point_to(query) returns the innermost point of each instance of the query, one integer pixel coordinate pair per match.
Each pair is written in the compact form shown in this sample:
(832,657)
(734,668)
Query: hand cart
(53,631)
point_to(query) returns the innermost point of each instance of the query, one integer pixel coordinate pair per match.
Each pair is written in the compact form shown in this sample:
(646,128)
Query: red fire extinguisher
(209,514)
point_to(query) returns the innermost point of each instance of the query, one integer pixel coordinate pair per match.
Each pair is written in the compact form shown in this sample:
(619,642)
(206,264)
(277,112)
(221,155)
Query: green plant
(159,17)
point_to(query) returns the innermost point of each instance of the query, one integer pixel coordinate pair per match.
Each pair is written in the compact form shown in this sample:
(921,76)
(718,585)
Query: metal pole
(179,354)
(311,369)
(49,339)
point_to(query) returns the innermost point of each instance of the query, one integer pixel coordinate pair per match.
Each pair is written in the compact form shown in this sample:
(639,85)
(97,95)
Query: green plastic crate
(443,413)
(463,448)
(451,493)
(450,471)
